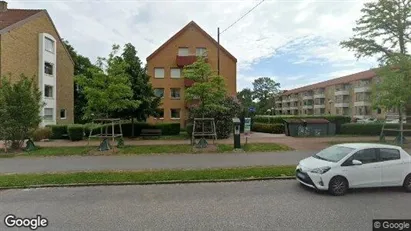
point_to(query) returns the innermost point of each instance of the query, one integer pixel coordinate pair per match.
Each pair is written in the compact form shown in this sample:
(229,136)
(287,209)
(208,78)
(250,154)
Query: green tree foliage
(245,97)
(264,91)
(20,105)
(82,66)
(109,90)
(209,89)
(140,85)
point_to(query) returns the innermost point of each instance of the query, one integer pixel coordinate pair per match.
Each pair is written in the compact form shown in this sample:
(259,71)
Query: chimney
(3,6)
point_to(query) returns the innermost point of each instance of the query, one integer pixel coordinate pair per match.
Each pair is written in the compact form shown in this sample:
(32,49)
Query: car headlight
(321,170)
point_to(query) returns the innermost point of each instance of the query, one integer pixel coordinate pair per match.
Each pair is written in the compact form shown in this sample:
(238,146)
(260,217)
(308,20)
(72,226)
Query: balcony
(308,107)
(342,92)
(293,99)
(188,82)
(293,108)
(307,97)
(362,103)
(319,95)
(340,105)
(362,89)
(183,60)
(317,106)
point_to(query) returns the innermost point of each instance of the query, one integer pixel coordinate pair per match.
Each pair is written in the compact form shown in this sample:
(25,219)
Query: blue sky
(295,42)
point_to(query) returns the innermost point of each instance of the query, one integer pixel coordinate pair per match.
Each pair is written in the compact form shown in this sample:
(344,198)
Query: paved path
(266,205)
(189,161)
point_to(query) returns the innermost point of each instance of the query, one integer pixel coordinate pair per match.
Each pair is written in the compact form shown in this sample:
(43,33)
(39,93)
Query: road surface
(140,162)
(265,205)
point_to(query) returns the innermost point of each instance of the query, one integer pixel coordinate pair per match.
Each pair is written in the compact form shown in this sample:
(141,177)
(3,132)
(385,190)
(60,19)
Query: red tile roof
(341,80)
(192,23)
(12,16)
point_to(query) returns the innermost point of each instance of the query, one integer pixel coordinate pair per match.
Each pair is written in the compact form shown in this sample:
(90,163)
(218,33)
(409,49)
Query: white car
(356,165)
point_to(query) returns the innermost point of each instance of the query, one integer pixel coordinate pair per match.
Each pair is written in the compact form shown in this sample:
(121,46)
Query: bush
(41,134)
(75,132)
(189,129)
(169,129)
(372,129)
(222,117)
(268,128)
(58,131)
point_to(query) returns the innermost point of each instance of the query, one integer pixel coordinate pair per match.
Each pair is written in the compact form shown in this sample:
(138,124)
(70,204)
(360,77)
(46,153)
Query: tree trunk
(408,112)
(401,126)
(132,127)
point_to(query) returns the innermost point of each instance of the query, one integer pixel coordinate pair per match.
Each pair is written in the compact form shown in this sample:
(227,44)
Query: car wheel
(338,186)
(407,183)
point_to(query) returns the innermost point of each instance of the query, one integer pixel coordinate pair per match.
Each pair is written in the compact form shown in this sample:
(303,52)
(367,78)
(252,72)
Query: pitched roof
(192,23)
(13,18)
(341,80)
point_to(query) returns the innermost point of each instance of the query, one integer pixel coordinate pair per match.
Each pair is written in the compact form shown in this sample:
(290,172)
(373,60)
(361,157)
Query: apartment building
(165,67)
(349,95)
(30,45)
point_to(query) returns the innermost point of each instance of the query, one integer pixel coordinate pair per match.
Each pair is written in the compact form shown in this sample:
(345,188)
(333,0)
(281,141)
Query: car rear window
(389,154)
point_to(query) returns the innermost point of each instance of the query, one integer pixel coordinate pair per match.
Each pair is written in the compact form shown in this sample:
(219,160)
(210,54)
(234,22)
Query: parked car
(366,121)
(356,165)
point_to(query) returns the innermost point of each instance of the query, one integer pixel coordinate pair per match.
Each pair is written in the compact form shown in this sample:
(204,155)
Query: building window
(48,91)
(175,93)
(201,51)
(48,114)
(183,51)
(159,92)
(175,113)
(175,73)
(63,114)
(160,113)
(49,45)
(159,72)
(48,68)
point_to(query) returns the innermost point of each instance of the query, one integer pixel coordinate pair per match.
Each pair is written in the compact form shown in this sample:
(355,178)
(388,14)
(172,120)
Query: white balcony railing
(342,92)
(307,97)
(342,105)
(316,106)
(319,96)
(293,108)
(308,107)
(362,89)
(362,103)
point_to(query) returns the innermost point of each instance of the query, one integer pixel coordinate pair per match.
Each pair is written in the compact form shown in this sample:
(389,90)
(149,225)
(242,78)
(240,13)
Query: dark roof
(341,80)
(12,16)
(192,23)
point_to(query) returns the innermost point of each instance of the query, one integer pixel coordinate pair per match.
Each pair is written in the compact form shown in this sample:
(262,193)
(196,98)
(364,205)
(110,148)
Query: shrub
(372,129)
(75,132)
(231,107)
(41,134)
(189,129)
(169,129)
(58,131)
(268,128)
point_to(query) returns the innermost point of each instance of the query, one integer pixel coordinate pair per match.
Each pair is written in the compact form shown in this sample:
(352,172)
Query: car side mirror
(356,162)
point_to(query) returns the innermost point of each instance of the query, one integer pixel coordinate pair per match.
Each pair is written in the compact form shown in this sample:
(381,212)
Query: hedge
(58,131)
(268,128)
(167,129)
(372,129)
(75,132)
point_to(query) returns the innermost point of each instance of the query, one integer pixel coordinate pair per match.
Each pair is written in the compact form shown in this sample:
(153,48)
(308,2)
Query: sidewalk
(152,162)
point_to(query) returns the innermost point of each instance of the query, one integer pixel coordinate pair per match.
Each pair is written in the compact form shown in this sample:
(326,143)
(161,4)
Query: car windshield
(333,153)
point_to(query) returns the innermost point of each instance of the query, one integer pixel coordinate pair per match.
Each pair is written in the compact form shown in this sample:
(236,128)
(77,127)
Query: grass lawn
(143,150)
(26,180)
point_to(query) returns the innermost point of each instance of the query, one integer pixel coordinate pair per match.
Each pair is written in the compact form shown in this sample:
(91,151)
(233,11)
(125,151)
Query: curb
(148,183)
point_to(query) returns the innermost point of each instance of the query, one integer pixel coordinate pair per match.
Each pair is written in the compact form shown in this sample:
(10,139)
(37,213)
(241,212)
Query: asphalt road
(266,205)
(135,162)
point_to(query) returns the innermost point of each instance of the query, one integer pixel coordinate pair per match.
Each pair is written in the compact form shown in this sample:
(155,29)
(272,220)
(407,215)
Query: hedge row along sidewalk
(145,150)
(144,177)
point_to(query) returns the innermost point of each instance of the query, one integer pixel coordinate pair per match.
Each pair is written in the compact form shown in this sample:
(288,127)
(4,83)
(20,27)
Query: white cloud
(93,26)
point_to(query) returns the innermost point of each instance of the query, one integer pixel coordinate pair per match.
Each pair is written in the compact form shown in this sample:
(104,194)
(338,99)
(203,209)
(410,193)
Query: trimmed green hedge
(280,119)
(58,131)
(75,132)
(372,129)
(167,129)
(268,128)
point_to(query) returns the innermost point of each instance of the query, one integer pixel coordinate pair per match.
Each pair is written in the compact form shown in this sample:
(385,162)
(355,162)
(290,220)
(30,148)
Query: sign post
(247,128)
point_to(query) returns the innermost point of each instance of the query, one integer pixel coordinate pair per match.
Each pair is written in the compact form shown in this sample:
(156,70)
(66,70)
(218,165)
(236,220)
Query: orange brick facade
(191,37)
(19,54)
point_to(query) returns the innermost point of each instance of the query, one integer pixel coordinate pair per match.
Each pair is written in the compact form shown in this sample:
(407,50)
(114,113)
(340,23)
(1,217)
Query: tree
(264,91)
(384,30)
(141,87)
(109,90)
(208,89)
(82,66)
(393,91)
(20,106)
(245,97)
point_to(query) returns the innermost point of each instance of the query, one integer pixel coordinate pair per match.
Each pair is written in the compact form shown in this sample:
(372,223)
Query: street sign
(247,126)
(251,109)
